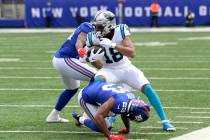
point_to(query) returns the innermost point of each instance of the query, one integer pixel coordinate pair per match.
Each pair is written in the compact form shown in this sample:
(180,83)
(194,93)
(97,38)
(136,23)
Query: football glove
(82,52)
(124,131)
(116,137)
(96,56)
(107,43)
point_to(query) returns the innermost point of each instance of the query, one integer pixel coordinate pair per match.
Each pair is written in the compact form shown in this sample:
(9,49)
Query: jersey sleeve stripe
(90,38)
(122,30)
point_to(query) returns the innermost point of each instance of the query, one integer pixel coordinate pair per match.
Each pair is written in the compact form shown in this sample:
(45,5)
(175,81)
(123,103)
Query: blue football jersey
(97,93)
(68,49)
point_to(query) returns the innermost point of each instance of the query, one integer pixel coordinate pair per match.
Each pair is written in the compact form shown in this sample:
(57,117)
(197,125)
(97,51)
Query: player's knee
(144,87)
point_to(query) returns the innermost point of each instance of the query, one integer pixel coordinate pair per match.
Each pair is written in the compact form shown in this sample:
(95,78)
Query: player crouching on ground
(99,99)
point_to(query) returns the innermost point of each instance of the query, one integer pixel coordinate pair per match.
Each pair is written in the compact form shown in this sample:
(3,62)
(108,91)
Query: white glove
(83,59)
(107,43)
(96,56)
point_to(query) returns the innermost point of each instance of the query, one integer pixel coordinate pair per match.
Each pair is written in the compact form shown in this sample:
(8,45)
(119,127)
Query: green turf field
(29,86)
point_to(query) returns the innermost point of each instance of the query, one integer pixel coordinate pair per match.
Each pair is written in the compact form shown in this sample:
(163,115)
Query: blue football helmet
(138,110)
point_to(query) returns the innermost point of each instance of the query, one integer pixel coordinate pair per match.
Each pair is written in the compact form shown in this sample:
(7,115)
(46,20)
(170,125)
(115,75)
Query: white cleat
(56,119)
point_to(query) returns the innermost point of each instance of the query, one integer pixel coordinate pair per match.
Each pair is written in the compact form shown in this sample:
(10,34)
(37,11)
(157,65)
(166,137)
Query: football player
(66,62)
(99,99)
(117,68)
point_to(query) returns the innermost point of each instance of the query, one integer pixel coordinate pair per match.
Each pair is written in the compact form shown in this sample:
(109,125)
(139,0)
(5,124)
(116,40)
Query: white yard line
(184,122)
(199,112)
(166,61)
(156,43)
(202,134)
(23,77)
(152,78)
(134,61)
(26,68)
(195,38)
(28,89)
(36,106)
(76,106)
(194,117)
(51,89)
(181,90)
(187,108)
(179,78)
(155,69)
(177,69)
(9,59)
(152,127)
(72,132)
(171,56)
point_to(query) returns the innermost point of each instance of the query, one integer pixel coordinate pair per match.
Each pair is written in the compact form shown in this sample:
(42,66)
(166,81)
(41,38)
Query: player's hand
(96,56)
(107,43)
(82,52)
(83,59)
(124,131)
(116,137)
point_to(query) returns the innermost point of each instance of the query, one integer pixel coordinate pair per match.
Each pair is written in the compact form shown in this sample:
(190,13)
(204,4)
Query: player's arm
(102,113)
(81,40)
(126,48)
(125,121)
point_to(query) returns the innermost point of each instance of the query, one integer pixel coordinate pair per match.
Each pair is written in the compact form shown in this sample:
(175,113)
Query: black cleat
(76,116)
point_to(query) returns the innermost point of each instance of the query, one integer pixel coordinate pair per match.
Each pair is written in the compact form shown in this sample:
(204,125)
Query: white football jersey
(112,58)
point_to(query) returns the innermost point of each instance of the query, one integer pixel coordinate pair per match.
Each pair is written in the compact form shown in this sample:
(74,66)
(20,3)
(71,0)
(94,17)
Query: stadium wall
(69,13)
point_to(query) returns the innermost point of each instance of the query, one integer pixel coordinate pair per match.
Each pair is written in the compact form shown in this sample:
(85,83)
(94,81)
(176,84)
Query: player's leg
(112,76)
(137,80)
(90,112)
(69,69)
(107,75)
(63,99)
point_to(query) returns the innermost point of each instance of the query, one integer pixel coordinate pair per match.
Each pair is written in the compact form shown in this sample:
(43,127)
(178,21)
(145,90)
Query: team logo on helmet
(138,111)
(103,23)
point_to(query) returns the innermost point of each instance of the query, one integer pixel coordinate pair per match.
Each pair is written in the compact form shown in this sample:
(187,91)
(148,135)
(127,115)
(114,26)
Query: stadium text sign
(136,13)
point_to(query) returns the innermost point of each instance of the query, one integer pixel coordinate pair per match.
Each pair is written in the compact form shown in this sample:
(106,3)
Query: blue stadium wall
(136,12)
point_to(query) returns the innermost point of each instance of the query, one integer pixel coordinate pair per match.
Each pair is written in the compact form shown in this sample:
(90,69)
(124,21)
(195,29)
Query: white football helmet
(103,23)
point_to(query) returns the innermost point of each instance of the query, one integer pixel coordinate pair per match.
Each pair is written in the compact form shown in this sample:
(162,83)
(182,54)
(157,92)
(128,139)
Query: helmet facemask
(138,111)
(103,23)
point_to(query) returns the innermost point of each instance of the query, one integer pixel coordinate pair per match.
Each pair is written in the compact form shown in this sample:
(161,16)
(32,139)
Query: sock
(99,79)
(54,112)
(82,119)
(155,101)
(64,98)
(90,124)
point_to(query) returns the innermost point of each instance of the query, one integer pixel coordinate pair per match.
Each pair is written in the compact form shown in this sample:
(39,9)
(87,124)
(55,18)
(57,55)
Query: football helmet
(103,23)
(138,110)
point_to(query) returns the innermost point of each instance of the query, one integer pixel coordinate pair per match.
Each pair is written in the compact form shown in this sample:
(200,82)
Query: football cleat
(168,127)
(56,119)
(76,116)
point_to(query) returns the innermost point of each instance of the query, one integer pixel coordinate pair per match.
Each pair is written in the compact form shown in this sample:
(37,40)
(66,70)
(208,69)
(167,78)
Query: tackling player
(99,99)
(117,68)
(66,62)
